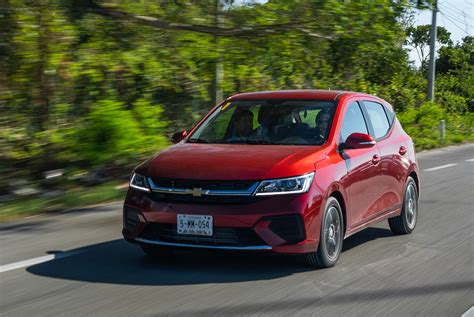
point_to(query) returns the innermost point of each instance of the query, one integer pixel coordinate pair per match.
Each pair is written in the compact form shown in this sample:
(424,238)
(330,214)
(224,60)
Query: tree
(456,75)
(419,39)
(94,83)
(456,57)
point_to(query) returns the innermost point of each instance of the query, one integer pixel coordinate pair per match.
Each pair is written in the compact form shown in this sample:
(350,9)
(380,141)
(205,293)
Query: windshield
(284,122)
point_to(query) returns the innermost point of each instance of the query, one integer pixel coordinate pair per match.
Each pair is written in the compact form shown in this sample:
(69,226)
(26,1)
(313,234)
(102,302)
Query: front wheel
(331,237)
(406,222)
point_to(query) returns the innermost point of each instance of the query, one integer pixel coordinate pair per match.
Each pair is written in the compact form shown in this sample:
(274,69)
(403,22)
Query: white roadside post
(442,130)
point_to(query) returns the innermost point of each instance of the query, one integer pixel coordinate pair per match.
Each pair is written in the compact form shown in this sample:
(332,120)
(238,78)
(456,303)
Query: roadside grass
(75,197)
(422,124)
(423,144)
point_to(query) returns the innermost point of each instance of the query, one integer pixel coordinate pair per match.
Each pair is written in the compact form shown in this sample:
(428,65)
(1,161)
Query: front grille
(239,237)
(204,184)
(204,199)
(130,218)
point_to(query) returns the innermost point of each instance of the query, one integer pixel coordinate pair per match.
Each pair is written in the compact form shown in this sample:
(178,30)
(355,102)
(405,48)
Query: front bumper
(199,246)
(280,224)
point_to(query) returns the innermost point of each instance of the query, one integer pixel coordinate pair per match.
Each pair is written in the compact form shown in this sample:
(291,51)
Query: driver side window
(353,122)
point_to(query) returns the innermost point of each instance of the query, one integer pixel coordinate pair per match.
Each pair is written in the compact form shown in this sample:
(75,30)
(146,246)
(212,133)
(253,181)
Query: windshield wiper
(197,141)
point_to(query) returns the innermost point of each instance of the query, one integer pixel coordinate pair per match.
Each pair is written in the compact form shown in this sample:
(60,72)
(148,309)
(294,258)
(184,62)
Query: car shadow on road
(364,236)
(118,262)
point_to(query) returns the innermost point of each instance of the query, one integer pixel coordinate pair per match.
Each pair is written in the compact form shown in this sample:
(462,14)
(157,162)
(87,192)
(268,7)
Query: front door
(362,181)
(392,148)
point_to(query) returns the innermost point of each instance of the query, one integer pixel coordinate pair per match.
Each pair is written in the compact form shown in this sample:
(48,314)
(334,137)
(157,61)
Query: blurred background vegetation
(88,88)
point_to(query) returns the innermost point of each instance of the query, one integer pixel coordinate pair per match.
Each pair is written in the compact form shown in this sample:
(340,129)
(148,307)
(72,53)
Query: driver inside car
(322,123)
(243,126)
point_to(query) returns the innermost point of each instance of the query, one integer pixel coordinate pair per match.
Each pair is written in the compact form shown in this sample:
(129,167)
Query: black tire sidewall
(403,215)
(322,251)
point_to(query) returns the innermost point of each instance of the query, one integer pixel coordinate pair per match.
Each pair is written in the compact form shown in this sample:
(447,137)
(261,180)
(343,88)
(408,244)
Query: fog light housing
(288,227)
(131,219)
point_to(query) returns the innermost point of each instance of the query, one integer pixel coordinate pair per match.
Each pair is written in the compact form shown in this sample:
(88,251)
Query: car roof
(293,94)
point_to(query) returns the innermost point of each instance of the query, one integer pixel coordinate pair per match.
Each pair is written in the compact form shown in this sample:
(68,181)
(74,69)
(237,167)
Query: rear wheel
(155,251)
(331,236)
(406,222)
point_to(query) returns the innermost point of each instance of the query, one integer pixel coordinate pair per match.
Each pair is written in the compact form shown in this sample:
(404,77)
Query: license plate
(195,225)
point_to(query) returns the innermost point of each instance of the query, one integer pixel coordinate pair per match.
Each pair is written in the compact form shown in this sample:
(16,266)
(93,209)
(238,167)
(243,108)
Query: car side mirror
(358,141)
(178,136)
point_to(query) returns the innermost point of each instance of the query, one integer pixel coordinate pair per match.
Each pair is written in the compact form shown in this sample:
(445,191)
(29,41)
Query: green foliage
(458,57)
(80,89)
(422,124)
(110,134)
(418,37)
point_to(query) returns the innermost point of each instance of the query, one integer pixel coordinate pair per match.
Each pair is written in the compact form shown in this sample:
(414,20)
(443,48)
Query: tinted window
(353,122)
(378,118)
(288,122)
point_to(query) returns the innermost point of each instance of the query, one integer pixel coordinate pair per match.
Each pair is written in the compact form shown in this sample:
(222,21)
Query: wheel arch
(340,198)
(413,174)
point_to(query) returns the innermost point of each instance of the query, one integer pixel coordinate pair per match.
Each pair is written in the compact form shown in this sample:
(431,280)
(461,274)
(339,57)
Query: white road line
(470,160)
(469,312)
(38,260)
(439,167)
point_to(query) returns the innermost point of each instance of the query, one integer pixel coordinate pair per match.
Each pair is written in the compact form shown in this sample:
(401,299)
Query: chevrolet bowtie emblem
(197,192)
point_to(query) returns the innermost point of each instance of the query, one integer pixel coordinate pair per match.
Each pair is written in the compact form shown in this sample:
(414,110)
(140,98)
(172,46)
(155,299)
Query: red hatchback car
(291,172)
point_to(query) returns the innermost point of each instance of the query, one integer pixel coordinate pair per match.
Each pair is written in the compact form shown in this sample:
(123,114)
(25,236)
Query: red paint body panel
(290,94)
(241,216)
(371,190)
(247,162)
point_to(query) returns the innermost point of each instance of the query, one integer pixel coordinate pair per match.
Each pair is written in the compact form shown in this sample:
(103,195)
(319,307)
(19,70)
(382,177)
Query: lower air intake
(130,219)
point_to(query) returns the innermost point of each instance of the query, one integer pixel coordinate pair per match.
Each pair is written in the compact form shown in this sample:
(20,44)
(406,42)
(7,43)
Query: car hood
(232,161)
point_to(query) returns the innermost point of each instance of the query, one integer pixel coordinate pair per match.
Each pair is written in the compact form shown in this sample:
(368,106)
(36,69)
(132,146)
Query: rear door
(391,147)
(362,165)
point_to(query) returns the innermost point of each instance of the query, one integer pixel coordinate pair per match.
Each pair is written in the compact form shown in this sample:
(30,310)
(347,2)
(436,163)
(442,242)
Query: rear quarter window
(378,118)
(390,114)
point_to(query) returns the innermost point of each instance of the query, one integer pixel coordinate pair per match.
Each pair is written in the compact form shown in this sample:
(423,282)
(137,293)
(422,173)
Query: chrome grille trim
(208,192)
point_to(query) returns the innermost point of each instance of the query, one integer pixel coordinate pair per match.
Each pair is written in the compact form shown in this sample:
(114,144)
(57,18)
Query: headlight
(292,185)
(139,182)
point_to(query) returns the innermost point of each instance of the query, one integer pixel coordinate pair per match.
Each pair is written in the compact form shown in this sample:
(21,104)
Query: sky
(457,16)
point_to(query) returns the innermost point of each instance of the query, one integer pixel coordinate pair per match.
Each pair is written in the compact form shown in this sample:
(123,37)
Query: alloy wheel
(411,205)
(332,233)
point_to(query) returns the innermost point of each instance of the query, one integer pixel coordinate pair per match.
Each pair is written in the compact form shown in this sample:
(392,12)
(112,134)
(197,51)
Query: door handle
(375,159)
(403,150)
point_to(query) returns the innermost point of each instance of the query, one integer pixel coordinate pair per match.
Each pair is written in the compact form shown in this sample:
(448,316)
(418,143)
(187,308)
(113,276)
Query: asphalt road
(427,273)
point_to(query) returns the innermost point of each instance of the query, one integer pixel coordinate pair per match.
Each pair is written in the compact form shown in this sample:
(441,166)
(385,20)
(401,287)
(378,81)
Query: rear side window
(390,115)
(353,122)
(378,118)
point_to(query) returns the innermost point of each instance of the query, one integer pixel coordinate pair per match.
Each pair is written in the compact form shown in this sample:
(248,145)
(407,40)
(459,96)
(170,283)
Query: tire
(155,251)
(406,222)
(331,237)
